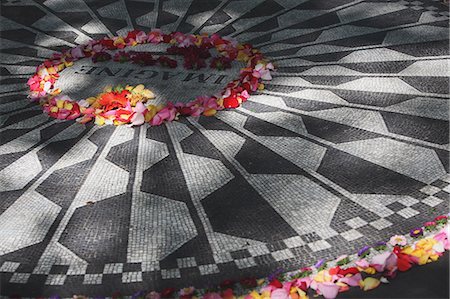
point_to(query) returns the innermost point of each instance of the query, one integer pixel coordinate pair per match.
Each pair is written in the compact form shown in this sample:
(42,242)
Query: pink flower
(212,295)
(166,114)
(328,289)
(386,260)
(352,281)
(362,264)
(155,37)
(260,71)
(77,52)
(444,237)
(398,240)
(34,83)
(141,37)
(138,117)
(301,282)
(153,295)
(245,94)
(279,294)
(187,291)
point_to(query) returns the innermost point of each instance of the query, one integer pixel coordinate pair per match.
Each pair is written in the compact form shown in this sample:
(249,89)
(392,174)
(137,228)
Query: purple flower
(137,295)
(319,263)
(380,245)
(275,274)
(417,232)
(364,251)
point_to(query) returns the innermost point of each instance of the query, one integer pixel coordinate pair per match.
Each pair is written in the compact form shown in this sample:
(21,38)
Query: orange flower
(112,100)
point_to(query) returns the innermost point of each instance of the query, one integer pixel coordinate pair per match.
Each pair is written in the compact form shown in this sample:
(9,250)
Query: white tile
(430,190)
(245,263)
(294,242)
(170,273)
(380,224)
(128,277)
(356,222)
(407,212)
(351,235)
(113,268)
(408,201)
(258,250)
(93,278)
(9,267)
(77,269)
(208,269)
(20,278)
(319,245)
(55,279)
(282,255)
(446,178)
(186,262)
(432,201)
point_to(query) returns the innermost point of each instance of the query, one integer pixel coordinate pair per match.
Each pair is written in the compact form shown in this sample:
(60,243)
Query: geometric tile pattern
(347,145)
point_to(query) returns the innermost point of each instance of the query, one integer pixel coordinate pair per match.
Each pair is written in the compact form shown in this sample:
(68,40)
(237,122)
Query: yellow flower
(423,259)
(255,295)
(198,40)
(56,91)
(91,100)
(134,98)
(369,270)
(68,105)
(99,121)
(152,110)
(242,56)
(119,41)
(68,63)
(434,257)
(138,88)
(117,122)
(426,244)
(210,112)
(369,283)
(408,250)
(148,94)
(53,70)
(60,104)
(322,276)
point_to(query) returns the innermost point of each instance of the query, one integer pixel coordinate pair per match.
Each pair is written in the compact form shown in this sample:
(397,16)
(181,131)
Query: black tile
(311,237)
(132,267)
(396,206)
(440,184)
(240,254)
(59,269)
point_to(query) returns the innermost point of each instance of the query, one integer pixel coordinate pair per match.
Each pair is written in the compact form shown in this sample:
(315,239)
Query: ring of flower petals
(129,104)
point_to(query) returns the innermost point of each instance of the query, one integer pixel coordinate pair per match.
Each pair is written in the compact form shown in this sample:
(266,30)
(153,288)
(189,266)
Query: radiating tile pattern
(345,147)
